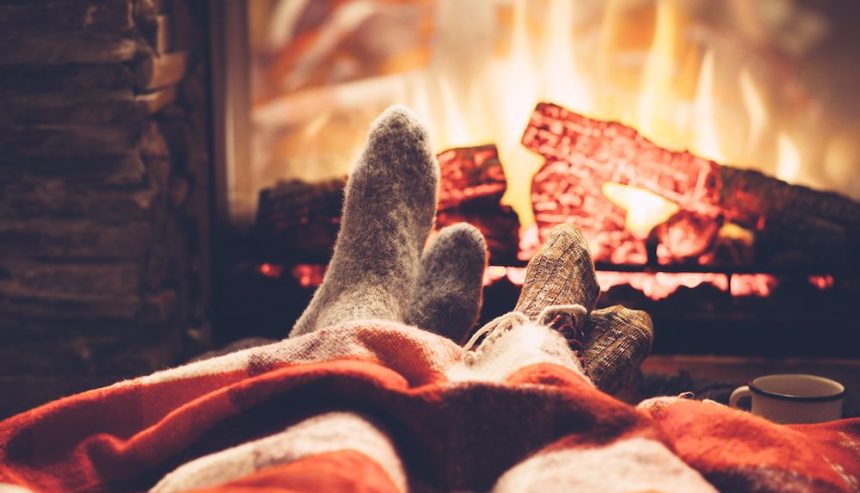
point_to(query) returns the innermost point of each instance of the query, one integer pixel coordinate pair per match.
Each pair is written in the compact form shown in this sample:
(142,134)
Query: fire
(662,67)
(644,209)
(670,81)
(475,69)
(789,158)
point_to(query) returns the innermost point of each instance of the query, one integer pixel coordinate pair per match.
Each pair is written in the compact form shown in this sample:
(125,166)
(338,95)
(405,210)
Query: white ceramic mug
(793,398)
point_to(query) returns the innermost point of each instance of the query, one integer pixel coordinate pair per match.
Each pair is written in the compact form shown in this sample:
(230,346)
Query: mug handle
(738,394)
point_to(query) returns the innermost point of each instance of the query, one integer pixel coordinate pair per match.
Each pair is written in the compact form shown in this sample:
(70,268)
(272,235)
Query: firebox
(707,149)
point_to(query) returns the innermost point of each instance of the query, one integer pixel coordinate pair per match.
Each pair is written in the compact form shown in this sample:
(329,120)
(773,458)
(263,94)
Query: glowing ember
(309,275)
(752,285)
(271,271)
(821,282)
(660,285)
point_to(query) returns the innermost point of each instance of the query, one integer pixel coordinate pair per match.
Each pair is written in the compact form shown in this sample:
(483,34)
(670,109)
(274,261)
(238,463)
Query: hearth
(704,148)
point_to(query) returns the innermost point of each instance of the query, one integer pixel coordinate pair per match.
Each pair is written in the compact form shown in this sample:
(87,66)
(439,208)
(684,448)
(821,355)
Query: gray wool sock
(446,298)
(388,212)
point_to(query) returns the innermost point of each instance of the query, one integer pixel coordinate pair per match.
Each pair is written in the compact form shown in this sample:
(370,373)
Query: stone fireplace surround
(104,192)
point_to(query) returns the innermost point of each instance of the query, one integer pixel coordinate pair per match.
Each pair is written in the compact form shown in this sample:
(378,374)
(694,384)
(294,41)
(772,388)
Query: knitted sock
(617,341)
(446,298)
(562,273)
(388,212)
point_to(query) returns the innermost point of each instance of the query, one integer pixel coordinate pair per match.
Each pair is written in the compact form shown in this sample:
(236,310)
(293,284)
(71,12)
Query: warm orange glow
(271,271)
(789,158)
(760,285)
(666,68)
(821,282)
(308,275)
(660,285)
(493,273)
(644,209)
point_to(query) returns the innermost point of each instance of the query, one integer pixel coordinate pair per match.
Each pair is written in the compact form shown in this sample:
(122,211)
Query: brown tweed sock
(562,273)
(446,298)
(613,341)
(617,341)
(388,212)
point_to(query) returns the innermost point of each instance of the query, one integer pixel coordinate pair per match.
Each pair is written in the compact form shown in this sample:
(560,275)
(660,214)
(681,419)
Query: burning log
(470,174)
(684,237)
(472,183)
(823,227)
(584,155)
(498,223)
(297,222)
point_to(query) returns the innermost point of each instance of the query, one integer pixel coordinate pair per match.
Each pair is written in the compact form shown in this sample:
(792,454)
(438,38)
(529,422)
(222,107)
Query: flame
(672,96)
(656,91)
(756,108)
(789,158)
(659,66)
(707,140)
(644,209)
(652,65)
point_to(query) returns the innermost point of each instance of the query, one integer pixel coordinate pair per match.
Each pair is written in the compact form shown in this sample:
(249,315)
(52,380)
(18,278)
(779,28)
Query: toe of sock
(399,130)
(462,240)
(561,273)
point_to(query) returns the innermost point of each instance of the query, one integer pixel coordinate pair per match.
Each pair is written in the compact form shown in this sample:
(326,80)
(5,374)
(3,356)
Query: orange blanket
(379,406)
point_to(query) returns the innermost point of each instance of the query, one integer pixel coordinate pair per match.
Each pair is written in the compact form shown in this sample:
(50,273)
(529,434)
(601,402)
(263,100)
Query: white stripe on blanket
(328,432)
(359,339)
(627,466)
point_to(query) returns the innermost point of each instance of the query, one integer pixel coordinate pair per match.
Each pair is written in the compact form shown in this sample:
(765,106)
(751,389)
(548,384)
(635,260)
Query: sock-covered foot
(388,212)
(617,341)
(446,298)
(562,273)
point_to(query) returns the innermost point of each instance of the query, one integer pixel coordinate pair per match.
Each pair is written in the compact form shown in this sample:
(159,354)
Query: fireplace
(705,148)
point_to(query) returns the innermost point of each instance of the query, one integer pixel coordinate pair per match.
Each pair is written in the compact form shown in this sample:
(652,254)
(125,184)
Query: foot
(562,273)
(446,298)
(388,212)
(617,342)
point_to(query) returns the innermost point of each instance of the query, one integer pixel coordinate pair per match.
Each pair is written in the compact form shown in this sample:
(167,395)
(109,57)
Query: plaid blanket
(382,407)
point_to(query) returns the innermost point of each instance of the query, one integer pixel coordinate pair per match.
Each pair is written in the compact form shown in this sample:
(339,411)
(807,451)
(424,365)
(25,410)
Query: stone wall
(104,192)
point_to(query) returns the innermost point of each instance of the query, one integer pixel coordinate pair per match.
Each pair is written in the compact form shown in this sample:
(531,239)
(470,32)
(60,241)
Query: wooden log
(470,173)
(789,221)
(498,223)
(299,221)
